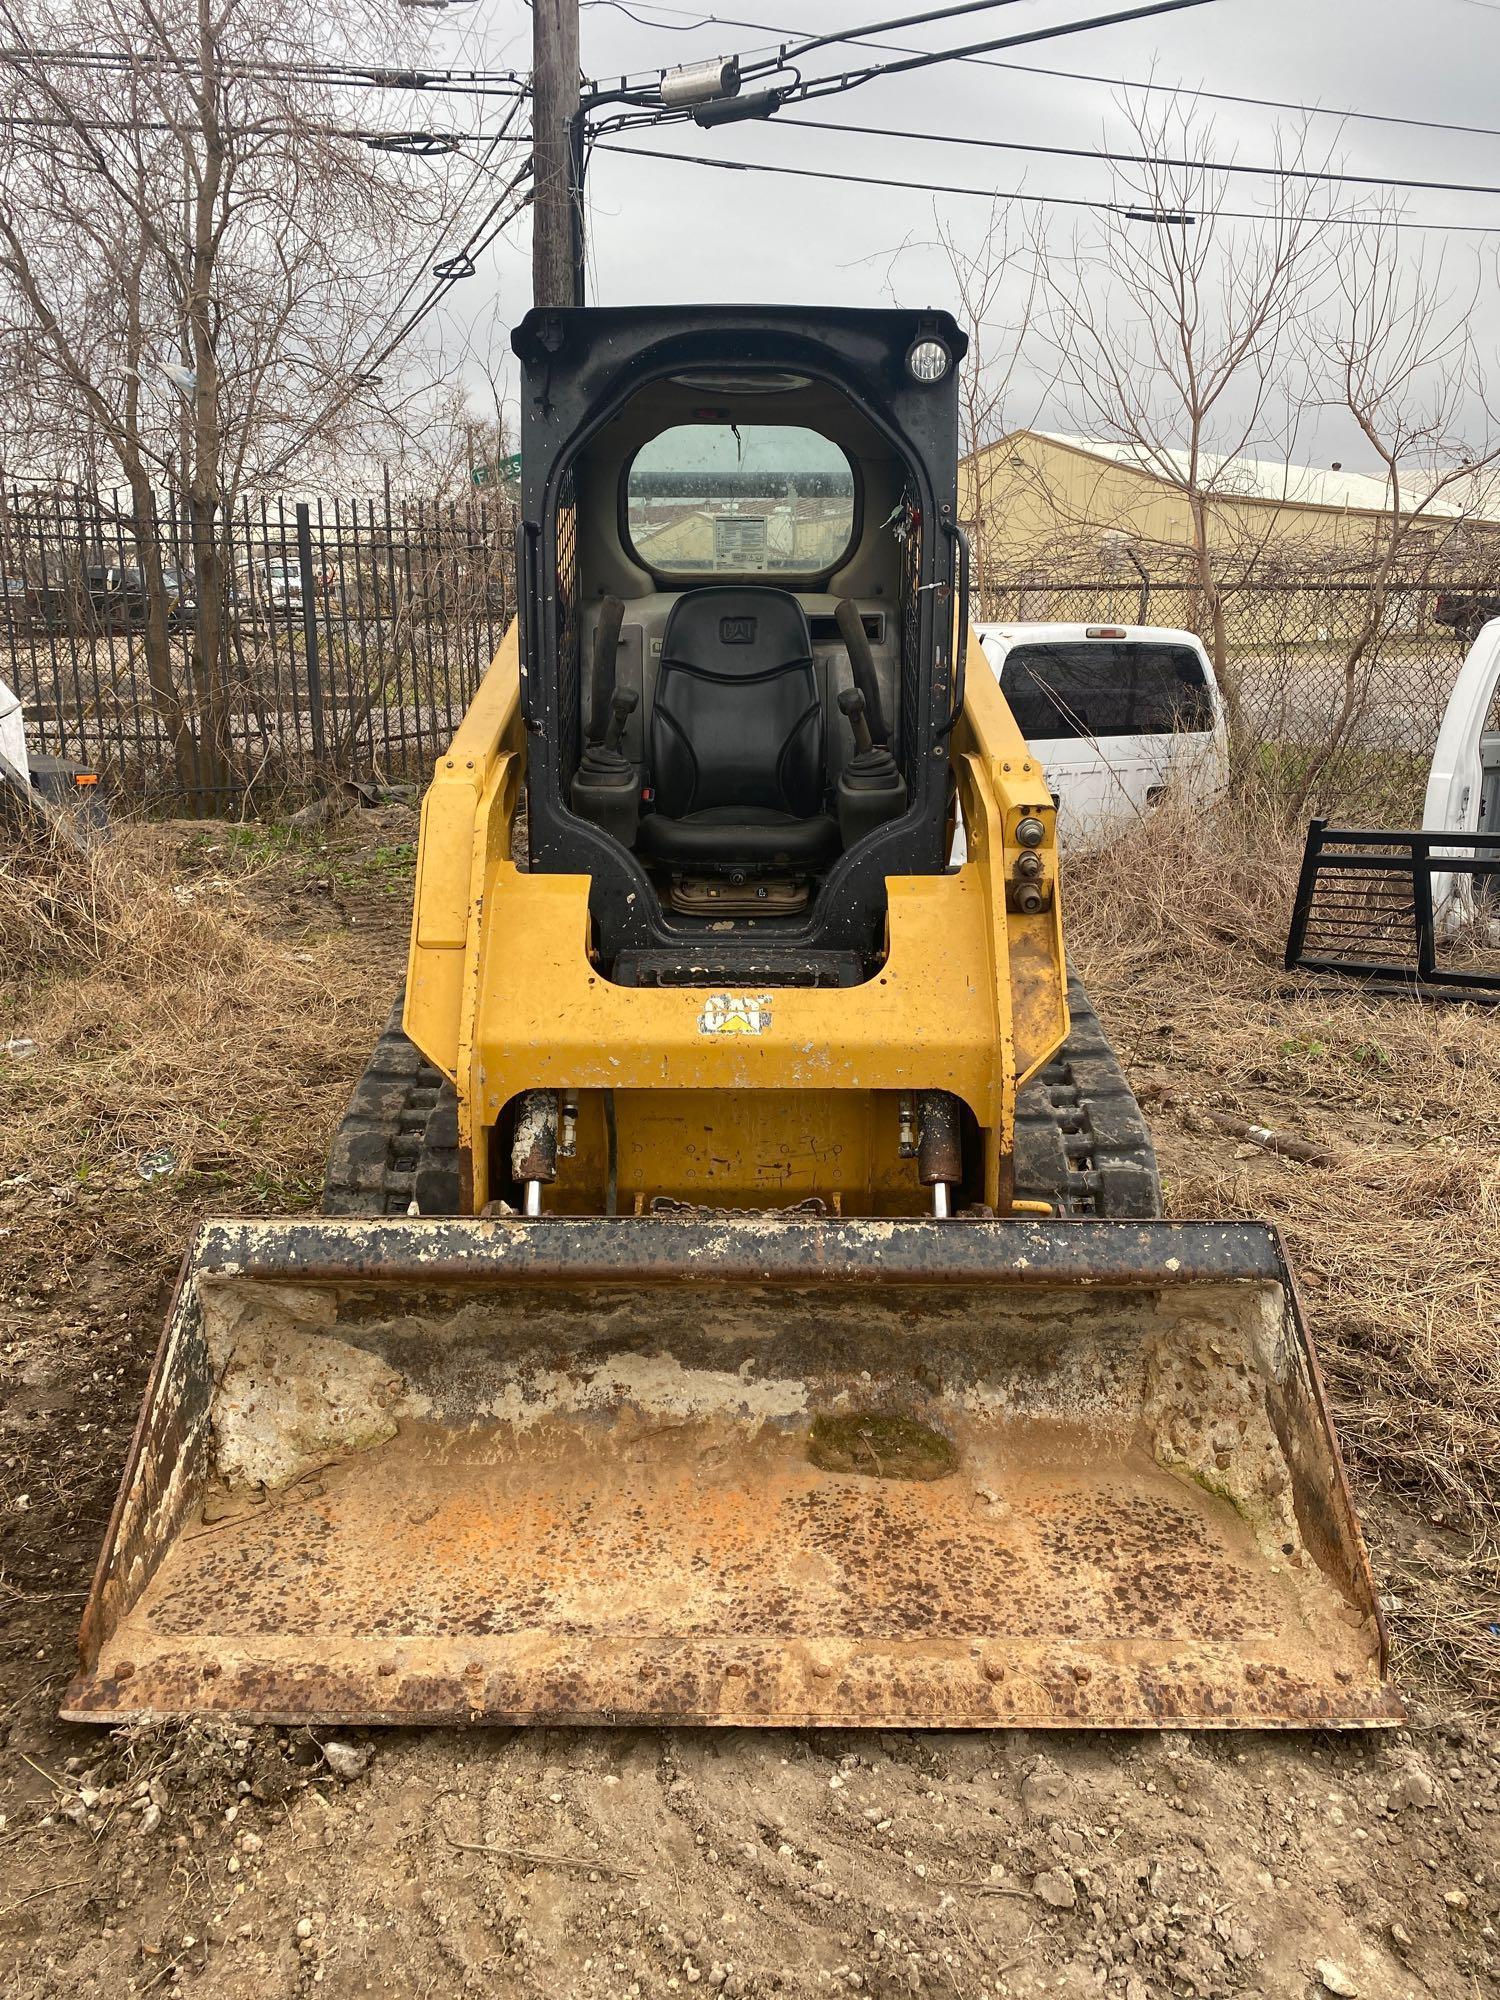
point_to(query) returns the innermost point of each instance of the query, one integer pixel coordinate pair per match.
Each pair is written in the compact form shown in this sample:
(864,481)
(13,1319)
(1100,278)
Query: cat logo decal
(735,1014)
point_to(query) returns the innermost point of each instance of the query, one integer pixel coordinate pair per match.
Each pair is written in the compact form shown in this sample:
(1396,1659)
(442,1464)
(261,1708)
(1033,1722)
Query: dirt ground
(195,1063)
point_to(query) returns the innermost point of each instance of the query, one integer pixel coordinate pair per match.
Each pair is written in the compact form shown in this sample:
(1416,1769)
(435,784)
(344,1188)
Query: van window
(746,499)
(1096,687)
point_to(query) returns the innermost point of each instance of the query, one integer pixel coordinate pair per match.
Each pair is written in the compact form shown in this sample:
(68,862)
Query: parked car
(117,596)
(279,584)
(1120,715)
(15,767)
(116,593)
(40,607)
(182,607)
(1463,783)
(15,600)
(1467,611)
(39,783)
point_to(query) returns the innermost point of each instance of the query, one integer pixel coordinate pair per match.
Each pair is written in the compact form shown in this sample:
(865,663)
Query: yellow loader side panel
(502,995)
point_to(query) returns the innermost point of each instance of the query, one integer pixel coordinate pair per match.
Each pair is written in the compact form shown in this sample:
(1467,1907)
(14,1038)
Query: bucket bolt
(939,1147)
(533,1150)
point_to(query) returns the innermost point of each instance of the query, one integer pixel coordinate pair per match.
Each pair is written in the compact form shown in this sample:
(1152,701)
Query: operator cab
(736,674)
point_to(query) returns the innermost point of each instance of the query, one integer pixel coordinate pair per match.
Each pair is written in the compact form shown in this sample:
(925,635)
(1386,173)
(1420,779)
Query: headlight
(928,361)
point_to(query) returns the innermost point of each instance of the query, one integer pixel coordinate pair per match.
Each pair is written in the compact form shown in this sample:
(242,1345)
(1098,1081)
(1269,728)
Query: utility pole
(556,134)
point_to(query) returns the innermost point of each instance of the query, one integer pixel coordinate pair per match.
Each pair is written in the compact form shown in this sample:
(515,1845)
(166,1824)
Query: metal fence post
(310,631)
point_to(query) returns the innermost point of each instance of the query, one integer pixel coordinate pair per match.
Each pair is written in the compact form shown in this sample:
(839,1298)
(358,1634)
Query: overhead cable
(1270,172)
(1019,194)
(1150,84)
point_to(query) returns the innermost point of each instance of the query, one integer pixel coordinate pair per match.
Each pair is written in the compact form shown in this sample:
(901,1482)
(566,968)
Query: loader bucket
(735,1471)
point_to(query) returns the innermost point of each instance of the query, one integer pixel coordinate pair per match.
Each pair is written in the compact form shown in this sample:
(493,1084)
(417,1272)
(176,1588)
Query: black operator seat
(734,743)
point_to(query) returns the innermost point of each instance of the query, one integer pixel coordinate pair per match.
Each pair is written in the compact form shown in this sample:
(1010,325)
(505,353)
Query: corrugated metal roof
(1257,478)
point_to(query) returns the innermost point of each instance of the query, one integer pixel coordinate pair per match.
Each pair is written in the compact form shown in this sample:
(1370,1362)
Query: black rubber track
(1081,1142)
(398,1141)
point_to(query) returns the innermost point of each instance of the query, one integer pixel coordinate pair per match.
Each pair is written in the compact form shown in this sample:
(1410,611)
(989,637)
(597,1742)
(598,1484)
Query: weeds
(193,1047)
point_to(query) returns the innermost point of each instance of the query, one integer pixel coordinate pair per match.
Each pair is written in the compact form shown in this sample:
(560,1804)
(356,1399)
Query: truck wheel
(398,1141)
(1081,1141)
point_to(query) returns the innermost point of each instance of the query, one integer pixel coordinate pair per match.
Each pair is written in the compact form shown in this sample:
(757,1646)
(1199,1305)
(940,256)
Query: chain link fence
(1337,695)
(353,635)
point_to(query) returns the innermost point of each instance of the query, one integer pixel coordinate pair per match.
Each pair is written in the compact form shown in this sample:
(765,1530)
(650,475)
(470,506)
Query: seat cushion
(736,719)
(723,839)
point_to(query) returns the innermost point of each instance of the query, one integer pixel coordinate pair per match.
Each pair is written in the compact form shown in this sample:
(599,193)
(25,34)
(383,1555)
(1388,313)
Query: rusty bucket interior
(840,1473)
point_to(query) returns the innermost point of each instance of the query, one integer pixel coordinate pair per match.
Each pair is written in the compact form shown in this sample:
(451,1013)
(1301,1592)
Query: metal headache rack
(1414,909)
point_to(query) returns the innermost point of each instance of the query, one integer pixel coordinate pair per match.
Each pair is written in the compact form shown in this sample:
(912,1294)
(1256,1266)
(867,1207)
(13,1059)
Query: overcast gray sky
(670,231)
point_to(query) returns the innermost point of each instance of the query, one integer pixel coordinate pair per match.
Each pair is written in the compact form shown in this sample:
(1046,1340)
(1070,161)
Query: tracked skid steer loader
(742,1294)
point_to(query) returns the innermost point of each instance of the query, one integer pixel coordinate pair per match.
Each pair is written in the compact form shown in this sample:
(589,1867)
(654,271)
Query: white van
(1118,714)
(14,766)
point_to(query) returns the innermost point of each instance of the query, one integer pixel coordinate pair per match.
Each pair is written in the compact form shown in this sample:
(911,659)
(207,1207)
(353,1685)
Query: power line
(1073,75)
(378,138)
(1149,159)
(371,360)
(771,100)
(460,263)
(342,76)
(805,48)
(851,79)
(382,348)
(1016,194)
(1262,103)
(763,104)
(463,266)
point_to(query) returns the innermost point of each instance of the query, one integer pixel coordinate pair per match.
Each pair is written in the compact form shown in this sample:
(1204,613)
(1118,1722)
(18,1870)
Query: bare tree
(995,293)
(197,259)
(1176,328)
(1402,357)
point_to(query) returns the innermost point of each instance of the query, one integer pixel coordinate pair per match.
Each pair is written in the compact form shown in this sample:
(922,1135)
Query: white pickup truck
(1119,715)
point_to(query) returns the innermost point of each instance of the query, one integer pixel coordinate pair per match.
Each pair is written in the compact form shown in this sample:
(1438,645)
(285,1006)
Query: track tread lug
(1081,1140)
(398,1139)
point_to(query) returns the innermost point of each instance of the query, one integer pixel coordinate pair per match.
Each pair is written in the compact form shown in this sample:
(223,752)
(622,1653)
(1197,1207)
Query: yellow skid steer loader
(742,1295)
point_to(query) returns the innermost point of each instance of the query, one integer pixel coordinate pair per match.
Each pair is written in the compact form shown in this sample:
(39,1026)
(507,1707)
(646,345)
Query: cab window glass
(742,499)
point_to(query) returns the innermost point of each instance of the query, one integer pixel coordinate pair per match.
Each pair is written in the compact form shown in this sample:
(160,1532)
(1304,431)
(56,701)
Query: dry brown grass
(1179,937)
(57,904)
(178,1013)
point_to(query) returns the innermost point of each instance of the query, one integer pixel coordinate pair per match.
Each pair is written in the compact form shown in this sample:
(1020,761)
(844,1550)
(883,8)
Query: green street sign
(508,471)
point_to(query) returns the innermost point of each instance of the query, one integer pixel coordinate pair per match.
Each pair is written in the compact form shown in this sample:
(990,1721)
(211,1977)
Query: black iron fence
(346,639)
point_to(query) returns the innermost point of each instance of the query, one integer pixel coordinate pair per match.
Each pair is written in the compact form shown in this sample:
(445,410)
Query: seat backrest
(737,719)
